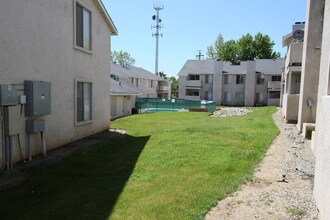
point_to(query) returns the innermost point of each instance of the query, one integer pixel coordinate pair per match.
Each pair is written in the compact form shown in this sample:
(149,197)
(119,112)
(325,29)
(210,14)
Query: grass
(169,166)
(294,212)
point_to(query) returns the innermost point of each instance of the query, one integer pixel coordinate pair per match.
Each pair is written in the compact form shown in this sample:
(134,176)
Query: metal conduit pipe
(3,150)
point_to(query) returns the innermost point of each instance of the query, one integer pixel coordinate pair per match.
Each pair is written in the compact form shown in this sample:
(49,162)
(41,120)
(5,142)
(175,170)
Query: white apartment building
(251,83)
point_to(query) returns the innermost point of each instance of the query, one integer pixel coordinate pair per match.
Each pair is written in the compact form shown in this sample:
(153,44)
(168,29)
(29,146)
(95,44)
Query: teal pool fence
(171,105)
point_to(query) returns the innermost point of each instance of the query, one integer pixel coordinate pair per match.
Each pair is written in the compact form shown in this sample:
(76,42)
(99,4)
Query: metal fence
(171,105)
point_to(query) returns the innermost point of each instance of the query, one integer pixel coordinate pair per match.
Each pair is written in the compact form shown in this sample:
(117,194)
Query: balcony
(163,88)
(294,55)
(274,85)
(193,83)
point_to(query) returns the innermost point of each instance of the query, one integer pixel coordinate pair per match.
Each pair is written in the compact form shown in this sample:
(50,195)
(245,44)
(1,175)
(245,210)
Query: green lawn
(169,166)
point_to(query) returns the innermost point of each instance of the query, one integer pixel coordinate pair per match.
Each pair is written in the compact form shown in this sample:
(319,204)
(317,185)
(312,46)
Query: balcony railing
(194,83)
(163,88)
(274,85)
(294,55)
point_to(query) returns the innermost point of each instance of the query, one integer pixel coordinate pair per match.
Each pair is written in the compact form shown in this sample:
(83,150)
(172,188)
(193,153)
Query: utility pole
(157,34)
(199,56)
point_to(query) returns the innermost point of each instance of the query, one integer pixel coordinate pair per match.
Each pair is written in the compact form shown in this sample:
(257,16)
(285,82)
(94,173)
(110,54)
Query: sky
(189,26)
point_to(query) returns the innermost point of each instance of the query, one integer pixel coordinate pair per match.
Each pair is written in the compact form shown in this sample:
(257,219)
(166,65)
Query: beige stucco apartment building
(292,72)
(306,93)
(320,11)
(54,58)
(122,98)
(251,83)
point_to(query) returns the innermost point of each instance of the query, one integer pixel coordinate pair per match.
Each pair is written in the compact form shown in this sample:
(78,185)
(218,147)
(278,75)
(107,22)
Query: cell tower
(158,27)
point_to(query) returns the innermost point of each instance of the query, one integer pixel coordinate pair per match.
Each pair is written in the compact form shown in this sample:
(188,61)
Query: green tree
(162,75)
(174,86)
(246,48)
(230,52)
(263,47)
(122,58)
(216,51)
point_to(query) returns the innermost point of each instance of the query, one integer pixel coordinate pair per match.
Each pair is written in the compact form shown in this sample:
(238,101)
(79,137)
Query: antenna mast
(199,56)
(156,18)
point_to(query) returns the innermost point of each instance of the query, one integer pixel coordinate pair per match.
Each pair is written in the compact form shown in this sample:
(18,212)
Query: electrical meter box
(11,119)
(8,95)
(38,98)
(33,126)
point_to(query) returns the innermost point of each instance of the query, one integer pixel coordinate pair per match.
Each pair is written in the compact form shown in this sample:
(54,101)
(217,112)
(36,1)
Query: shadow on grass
(85,185)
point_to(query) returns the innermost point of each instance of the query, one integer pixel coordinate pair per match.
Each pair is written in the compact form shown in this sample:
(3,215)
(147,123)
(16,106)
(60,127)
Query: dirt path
(281,186)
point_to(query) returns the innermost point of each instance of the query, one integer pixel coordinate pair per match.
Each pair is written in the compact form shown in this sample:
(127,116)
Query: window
(83,27)
(239,96)
(226,96)
(274,94)
(114,77)
(227,79)
(260,79)
(151,83)
(239,79)
(259,98)
(276,78)
(208,95)
(208,79)
(192,92)
(84,101)
(193,77)
(137,82)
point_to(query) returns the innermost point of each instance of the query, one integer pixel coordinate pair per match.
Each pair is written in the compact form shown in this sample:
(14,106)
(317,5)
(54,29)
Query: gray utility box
(33,126)
(38,98)
(11,116)
(8,95)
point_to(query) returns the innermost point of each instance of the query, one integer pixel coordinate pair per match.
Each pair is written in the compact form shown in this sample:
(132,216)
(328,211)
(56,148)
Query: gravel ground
(282,186)
(231,111)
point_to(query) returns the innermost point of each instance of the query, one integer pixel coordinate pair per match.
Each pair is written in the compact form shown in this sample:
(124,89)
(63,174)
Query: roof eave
(105,14)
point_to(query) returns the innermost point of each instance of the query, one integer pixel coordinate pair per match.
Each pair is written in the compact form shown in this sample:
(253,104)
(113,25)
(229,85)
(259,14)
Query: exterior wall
(310,64)
(182,87)
(185,84)
(121,105)
(290,107)
(206,87)
(250,81)
(217,82)
(273,102)
(322,137)
(233,88)
(37,43)
(144,85)
(248,89)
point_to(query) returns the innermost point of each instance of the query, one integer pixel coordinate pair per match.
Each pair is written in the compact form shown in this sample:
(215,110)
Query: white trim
(106,16)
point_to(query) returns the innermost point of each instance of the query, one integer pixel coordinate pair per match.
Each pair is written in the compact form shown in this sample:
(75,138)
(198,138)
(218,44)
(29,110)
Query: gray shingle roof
(198,67)
(119,88)
(133,72)
(269,66)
